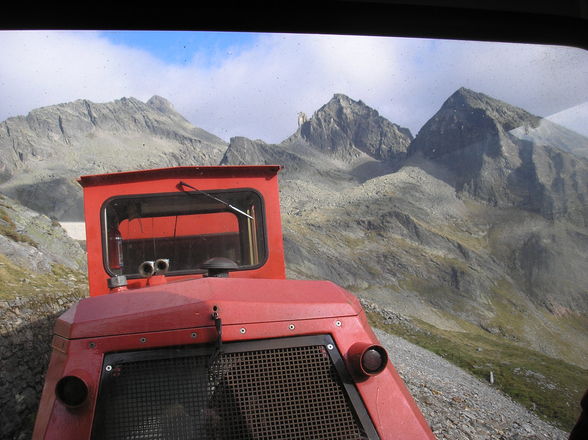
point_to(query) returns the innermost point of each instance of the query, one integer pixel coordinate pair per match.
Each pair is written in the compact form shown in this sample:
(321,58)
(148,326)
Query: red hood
(188,304)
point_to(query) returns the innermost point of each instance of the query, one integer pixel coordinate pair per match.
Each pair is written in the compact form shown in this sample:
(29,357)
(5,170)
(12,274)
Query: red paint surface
(214,223)
(100,188)
(168,315)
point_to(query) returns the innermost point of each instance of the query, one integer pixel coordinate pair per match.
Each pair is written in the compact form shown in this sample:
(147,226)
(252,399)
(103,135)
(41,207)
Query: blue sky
(179,48)
(254,85)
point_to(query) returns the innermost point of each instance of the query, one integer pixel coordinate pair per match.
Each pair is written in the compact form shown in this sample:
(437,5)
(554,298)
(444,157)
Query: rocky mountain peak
(160,104)
(508,116)
(471,137)
(469,120)
(343,100)
(343,110)
(345,129)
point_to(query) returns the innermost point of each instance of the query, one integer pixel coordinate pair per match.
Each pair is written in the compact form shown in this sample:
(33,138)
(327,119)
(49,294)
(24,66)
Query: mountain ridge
(434,243)
(471,232)
(43,153)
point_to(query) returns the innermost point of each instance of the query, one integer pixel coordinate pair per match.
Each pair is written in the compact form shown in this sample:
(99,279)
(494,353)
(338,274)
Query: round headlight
(366,359)
(374,360)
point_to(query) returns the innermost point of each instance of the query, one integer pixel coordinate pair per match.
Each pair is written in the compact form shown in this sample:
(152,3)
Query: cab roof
(224,171)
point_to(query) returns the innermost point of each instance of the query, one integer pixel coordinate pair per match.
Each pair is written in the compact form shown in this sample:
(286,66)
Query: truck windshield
(185,228)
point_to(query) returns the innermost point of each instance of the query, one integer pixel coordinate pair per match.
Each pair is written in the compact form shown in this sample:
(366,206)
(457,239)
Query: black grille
(289,391)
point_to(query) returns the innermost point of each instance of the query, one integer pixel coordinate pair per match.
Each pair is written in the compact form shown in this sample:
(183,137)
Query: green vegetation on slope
(550,387)
(24,282)
(15,281)
(8,229)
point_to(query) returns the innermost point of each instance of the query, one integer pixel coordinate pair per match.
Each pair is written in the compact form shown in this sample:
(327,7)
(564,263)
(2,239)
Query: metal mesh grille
(282,393)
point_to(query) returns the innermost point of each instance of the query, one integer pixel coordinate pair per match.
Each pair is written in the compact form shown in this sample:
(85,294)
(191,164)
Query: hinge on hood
(219,332)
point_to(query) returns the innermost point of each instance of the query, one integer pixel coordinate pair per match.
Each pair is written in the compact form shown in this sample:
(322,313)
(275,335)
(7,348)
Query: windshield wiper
(216,199)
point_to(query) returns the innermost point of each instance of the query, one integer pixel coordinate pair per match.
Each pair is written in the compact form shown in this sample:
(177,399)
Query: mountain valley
(476,225)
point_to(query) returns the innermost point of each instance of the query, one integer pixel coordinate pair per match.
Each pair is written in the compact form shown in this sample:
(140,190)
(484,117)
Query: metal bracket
(219,331)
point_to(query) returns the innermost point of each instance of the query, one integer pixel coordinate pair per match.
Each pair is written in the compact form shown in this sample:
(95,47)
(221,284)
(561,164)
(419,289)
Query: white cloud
(45,68)
(258,91)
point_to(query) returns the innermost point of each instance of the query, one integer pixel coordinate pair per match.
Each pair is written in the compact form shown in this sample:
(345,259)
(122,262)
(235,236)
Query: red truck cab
(191,330)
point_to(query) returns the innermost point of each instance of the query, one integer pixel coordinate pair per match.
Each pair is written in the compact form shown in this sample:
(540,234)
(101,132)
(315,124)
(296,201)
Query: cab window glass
(186,229)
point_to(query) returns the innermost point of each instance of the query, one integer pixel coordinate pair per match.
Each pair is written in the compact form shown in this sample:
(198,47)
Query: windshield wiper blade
(215,198)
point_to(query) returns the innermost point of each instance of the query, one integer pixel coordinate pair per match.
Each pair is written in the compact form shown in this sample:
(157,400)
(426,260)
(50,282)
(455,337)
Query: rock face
(470,137)
(25,341)
(343,128)
(35,242)
(42,154)
(463,110)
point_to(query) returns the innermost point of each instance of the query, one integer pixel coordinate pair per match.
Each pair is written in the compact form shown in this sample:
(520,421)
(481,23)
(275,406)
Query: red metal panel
(189,304)
(223,172)
(55,420)
(99,188)
(388,402)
